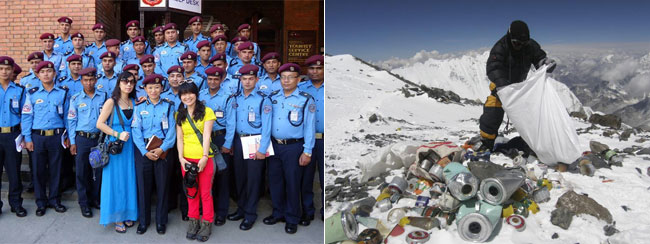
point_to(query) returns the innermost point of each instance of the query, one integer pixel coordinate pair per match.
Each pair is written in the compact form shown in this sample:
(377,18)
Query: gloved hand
(548,61)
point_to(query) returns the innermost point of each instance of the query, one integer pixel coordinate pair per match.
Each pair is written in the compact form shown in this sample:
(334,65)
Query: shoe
(20,211)
(246,225)
(271,220)
(40,212)
(192,229)
(306,220)
(129,223)
(86,212)
(141,229)
(219,221)
(204,232)
(235,216)
(290,228)
(120,228)
(160,228)
(59,208)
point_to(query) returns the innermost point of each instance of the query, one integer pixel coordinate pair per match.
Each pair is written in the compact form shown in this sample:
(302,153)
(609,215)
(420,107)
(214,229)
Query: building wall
(107,12)
(303,15)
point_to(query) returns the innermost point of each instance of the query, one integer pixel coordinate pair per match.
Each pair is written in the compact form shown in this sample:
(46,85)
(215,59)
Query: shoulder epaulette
(19,85)
(99,76)
(63,78)
(67,53)
(305,94)
(274,93)
(31,91)
(88,45)
(140,102)
(65,88)
(169,101)
(233,62)
(261,93)
(187,39)
(124,42)
(74,96)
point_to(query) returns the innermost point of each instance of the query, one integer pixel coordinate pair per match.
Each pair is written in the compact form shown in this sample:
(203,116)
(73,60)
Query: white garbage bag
(541,119)
(395,156)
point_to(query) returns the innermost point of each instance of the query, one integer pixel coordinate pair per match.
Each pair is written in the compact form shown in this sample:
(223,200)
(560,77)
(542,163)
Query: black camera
(191,175)
(115,147)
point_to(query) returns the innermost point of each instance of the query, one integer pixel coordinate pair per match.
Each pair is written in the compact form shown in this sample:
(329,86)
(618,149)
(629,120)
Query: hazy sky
(379,29)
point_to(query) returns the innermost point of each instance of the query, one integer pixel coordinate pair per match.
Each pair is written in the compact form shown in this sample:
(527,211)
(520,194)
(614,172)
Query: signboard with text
(301,45)
(193,6)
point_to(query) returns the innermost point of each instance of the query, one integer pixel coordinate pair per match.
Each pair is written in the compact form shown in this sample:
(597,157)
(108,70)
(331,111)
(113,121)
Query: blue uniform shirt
(154,119)
(168,56)
(106,84)
(43,110)
(127,52)
(191,42)
(254,113)
(30,81)
(200,68)
(231,86)
(221,104)
(56,59)
(86,60)
(198,79)
(227,51)
(173,97)
(83,113)
(235,64)
(61,46)
(319,97)
(119,65)
(268,85)
(93,50)
(294,117)
(12,100)
(73,86)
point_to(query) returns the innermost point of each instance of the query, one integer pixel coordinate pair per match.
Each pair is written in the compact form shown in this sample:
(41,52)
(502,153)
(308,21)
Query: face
(205,52)
(6,71)
(289,80)
(75,67)
(99,34)
(196,27)
(246,55)
(64,27)
(315,72)
(248,81)
(114,49)
(171,35)
(271,66)
(174,79)
(148,68)
(189,65)
(46,75)
(159,37)
(133,31)
(214,81)
(245,33)
(48,44)
(89,81)
(34,63)
(108,64)
(127,85)
(78,43)
(138,47)
(220,64)
(189,99)
(220,46)
(153,90)
(133,72)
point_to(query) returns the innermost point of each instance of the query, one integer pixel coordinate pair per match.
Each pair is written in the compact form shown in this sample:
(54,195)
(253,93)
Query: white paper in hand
(63,136)
(19,143)
(250,145)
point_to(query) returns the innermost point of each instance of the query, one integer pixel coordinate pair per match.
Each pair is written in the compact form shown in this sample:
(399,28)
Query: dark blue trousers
(47,165)
(175,185)
(317,161)
(285,178)
(88,179)
(147,172)
(249,175)
(11,160)
(221,183)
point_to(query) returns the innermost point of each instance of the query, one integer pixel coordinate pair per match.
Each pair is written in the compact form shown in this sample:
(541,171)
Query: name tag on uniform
(59,109)
(14,104)
(81,105)
(218,114)
(294,115)
(251,116)
(165,123)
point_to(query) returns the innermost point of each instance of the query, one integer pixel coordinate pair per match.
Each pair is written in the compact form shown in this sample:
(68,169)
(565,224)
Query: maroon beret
(78,35)
(153,79)
(133,23)
(170,26)
(158,29)
(189,55)
(245,45)
(98,26)
(138,39)
(90,71)
(290,67)
(218,56)
(17,69)
(216,27)
(148,58)
(6,60)
(44,64)
(214,71)
(315,60)
(239,39)
(35,55)
(204,43)
(249,69)
(131,67)
(47,36)
(243,26)
(73,57)
(176,68)
(195,19)
(107,55)
(65,19)
(112,42)
(271,55)
(219,38)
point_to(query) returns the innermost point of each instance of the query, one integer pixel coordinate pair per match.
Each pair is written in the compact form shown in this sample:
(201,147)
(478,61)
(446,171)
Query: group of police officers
(56,106)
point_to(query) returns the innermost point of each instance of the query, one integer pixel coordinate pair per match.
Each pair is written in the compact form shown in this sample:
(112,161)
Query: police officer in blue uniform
(13,98)
(113,45)
(254,112)
(126,47)
(270,81)
(83,112)
(49,54)
(244,30)
(175,75)
(72,81)
(107,79)
(316,89)
(203,62)
(220,60)
(139,49)
(63,43)
(43,124)
(154,117)
(219,30)
(220,44)
(189,63)
(79,49)
(148,67)
(293,130)
(31,80)
(196,24)
(245,56)
(96,48)
(169,54)
(223,132)
(158,37)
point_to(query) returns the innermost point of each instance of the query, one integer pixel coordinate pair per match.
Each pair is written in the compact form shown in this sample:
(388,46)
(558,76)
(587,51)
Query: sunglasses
(128,81)
(518,43)
(185,81)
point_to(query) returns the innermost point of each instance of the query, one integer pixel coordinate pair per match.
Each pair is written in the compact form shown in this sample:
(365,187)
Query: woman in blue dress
(119,196)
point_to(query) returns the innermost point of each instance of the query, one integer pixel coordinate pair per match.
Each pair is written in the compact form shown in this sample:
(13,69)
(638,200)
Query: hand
(73,149)
(226,150)
(66,143)
(157,152)
(124,136)
(151,156)
(259,156)
(548,61)
(183,161)
(29,146)
(202,162)
(304,159)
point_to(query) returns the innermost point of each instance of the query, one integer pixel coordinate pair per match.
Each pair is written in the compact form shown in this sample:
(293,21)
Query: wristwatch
(308,154)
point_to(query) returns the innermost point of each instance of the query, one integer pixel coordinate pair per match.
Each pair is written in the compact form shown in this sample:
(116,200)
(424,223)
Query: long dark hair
(199,108)
(117,92)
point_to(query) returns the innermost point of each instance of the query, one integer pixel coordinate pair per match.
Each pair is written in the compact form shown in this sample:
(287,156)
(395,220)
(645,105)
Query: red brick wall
(107,13)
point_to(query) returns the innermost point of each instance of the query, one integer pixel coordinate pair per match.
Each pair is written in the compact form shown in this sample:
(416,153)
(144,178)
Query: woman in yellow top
(192,152)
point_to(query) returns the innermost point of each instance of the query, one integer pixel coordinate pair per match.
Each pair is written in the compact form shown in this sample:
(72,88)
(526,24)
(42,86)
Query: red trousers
(204,196)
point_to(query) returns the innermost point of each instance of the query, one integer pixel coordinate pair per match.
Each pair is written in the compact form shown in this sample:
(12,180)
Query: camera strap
(119,116)
(218,158)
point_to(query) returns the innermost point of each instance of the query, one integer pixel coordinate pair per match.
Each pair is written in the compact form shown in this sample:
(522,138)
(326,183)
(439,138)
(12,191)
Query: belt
(319,135)
(9,129)
(244,135)
(88,135)
(216,133)
(49,132)
(288,141)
